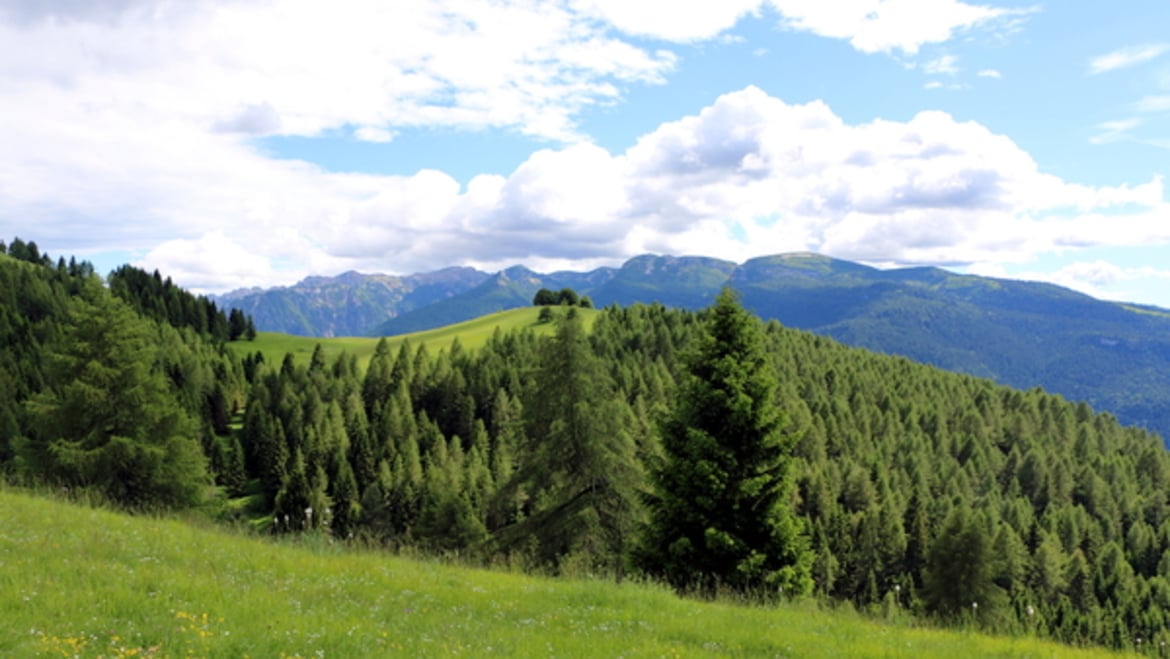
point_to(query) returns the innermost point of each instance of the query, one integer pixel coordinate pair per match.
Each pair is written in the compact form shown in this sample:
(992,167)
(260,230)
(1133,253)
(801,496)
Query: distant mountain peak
(518,273)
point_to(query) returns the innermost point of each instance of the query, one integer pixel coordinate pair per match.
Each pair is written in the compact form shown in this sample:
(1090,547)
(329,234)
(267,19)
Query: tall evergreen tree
(720,512)
(108,419)
(578,476)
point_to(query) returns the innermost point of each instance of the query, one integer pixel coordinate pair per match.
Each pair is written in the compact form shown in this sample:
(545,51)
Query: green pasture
(86,582)
(471,334)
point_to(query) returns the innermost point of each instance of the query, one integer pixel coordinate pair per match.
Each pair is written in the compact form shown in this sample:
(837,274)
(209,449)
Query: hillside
(1023,334)
(901,484)
(471,334)
(134,595)
(512,288)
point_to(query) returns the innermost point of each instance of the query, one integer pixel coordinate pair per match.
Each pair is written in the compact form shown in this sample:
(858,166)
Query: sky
(251,143)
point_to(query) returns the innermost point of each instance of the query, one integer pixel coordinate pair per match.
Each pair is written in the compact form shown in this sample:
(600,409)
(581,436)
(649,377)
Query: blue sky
(253,143)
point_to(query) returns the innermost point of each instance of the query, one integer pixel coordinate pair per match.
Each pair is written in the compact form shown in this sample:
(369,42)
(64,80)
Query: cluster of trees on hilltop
(564,297)
(872,479)
(155,297)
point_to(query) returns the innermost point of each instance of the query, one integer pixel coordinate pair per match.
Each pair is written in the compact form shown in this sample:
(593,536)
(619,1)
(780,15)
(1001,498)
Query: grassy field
(81,582)
(472,334)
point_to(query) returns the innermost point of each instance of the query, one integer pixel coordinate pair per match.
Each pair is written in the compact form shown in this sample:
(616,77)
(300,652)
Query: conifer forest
(707,450)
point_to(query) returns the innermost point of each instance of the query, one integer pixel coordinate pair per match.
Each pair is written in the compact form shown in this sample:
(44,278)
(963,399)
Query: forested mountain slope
(1023,334)
(916,485)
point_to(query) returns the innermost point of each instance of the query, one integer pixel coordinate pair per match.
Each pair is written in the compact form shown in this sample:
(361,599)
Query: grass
(1146,310)
(472,334)
(87,582)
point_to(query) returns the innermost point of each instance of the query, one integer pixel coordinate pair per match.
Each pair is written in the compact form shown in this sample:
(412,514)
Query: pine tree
(720,513)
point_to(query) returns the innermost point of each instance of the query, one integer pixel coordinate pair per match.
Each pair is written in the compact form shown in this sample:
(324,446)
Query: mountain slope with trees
(872,479)
(1062,514)
(96,395)
(1023,334)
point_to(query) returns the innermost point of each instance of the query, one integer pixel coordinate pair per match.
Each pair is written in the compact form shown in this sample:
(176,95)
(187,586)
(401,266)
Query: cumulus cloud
(255,119)
(747,175)
(212,261)
(29,11)
(989,73)
(797,177)
(886,26)
(667,19)
(1126,57)
(128,126)
(303,68)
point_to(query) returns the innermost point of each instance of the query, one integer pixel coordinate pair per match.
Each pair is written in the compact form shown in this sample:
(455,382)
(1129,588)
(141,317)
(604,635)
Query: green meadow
(472,334)
(88,582)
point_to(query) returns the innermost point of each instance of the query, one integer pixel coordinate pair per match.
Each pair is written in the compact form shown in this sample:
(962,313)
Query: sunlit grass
(472,334)
(93,583)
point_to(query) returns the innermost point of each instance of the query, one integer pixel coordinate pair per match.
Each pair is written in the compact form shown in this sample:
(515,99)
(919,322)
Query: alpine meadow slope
(133,595)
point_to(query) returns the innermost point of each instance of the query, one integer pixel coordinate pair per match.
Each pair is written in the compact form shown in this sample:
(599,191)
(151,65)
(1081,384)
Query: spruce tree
(720,515)
(578,477)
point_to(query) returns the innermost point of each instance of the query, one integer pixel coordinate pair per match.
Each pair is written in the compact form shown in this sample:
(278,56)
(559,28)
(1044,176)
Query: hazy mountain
(689,282)
(507,289)
(349,304)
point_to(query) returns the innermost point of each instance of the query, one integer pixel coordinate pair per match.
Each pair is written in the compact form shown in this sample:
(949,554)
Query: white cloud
(788,177)
(670,20)
(1126,57)
(1100,279)
(945,65)
(128,126)
(210,262)
(302,68)
(989,73)
(873,26)
(1115,131)
(253,119)
(374,134)
(1154,104)
(796,177)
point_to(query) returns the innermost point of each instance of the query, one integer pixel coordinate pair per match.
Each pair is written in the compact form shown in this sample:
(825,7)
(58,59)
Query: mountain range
(1112,355)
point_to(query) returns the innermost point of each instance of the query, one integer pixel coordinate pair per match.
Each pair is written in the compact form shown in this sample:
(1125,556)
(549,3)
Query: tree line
(706,449)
